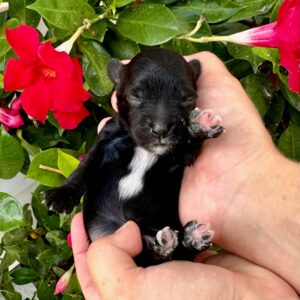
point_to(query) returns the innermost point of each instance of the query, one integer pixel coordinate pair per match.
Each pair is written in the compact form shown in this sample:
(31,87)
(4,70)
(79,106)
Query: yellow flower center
(48,72)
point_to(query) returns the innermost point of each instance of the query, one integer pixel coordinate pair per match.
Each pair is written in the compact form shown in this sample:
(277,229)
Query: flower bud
(63,281)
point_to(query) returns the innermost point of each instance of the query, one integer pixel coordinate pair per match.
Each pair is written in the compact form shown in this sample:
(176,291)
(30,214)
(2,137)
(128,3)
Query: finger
(110,261)
(80,246)
(102,123)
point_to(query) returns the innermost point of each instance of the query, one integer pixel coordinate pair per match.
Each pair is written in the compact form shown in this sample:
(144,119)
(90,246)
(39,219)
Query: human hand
(240,183)
(107,271)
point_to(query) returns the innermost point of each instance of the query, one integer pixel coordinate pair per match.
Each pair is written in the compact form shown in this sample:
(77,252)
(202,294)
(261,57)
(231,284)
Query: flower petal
(291,61)
(24,40)
(18,75)
(288,28)
(78,74)
(58,61)
(70,120)
(69,95)
(10,119)
(37,99)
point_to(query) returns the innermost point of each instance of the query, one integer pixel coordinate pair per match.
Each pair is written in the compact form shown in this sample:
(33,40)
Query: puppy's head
(156,92)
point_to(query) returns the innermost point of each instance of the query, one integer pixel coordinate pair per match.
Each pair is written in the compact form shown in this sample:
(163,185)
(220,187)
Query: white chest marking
(131,184)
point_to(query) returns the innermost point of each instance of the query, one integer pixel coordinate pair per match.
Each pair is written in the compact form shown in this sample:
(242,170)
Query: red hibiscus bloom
(50,80)
(284,35)
(10,117)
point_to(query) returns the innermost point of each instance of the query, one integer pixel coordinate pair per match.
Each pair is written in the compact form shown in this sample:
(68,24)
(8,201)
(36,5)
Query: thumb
(111,264)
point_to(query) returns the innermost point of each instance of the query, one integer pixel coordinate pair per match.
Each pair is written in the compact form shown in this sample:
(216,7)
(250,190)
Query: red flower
(10,117)
(50,80)
(284,35)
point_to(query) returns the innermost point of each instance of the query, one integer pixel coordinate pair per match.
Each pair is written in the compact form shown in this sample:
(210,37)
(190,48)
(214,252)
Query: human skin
(241,185)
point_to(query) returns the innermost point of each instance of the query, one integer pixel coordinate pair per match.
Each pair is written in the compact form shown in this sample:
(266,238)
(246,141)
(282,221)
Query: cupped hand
(106,270)
(240,183)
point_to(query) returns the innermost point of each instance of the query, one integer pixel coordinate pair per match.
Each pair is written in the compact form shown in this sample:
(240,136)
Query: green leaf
(274,13)
(187,23)
(44,136)
(289,142)
(251,8)
(292,97)
(94,61)
(4,46)
(24,275)
(239,68)
(40,211)
(245,52)
(6,261)
(57,238)
(66,163)
(53,256)
(45,290)
(148,24)
(7,288)
(96,31)
(1,81)
(121,3)
(270,54)
(67,14)
(121,48)
(32,150)
(19,251)
(294,114)
(17,9)
(214,11)
(11,155)
(259,90)
(274,115)
(15,236)
(48,158)
(11,213)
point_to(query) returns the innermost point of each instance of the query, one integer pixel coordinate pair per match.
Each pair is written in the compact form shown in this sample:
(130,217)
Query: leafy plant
(48,153)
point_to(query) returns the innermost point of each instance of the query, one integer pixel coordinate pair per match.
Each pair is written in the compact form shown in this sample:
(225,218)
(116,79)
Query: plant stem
(207,39)
(47,168)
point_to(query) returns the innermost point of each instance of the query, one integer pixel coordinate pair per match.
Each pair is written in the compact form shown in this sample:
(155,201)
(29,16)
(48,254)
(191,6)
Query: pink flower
(63,281)
(284,35)
(50,80)
(69,240)
(10,117)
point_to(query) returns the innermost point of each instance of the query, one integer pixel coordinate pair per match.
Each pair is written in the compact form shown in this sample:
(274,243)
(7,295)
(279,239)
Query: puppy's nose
(160,129)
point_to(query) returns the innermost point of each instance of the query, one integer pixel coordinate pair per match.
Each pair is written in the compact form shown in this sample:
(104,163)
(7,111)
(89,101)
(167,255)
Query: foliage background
(127,27)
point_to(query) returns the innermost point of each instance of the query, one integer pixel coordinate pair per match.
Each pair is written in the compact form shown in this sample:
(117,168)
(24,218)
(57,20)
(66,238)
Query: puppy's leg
(197,236)
(204,124)
(65,197)
(163,244)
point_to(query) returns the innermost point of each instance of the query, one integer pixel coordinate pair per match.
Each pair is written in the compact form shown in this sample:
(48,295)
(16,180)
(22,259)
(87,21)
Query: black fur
(156,93)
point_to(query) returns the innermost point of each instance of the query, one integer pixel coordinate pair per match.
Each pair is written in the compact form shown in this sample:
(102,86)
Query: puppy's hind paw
(164,244)
(197,236)
(61,199)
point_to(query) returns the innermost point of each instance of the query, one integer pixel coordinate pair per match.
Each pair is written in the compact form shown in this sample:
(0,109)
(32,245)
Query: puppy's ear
(116,72)
(196,67)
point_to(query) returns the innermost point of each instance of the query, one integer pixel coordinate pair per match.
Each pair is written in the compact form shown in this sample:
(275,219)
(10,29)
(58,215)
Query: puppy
(134,169)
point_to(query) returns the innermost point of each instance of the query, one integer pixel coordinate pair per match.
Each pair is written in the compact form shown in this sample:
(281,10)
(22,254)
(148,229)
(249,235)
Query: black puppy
(134,169)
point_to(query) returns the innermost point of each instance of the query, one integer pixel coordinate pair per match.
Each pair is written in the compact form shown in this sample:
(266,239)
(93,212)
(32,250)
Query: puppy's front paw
(205,123)
(62,199)
(197,236)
